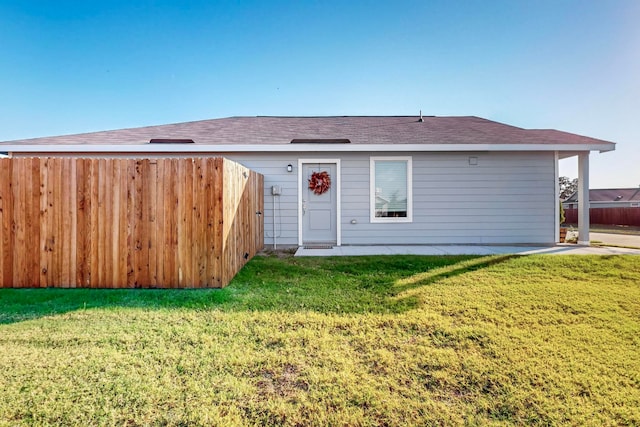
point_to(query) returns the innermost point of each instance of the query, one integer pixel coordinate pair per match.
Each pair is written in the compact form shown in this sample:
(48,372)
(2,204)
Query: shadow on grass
(429,277)
(345,285)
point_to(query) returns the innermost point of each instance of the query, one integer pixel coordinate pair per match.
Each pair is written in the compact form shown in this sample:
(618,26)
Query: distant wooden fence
(127,223)
(606,216)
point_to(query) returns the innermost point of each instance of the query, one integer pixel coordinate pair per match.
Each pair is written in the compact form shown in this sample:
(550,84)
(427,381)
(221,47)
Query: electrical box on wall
(276,190)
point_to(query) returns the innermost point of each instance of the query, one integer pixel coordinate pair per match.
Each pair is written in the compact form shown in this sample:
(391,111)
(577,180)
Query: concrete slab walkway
(616,239)
(561,249)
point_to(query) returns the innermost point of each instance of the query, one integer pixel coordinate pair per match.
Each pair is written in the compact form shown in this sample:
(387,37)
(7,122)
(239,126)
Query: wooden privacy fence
(606,216)
(127,223)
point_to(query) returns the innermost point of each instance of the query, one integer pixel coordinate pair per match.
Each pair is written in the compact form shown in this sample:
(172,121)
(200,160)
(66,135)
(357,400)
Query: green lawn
(402,340)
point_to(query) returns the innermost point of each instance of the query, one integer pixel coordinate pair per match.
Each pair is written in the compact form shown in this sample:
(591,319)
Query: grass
(398,340)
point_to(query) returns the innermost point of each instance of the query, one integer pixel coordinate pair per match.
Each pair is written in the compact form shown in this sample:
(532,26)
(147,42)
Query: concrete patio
(560,249)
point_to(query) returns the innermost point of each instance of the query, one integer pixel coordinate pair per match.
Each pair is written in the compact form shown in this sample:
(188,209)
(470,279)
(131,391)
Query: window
(391,198)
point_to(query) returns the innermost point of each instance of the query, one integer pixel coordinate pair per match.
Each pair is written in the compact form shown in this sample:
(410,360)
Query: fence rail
(606,216)
(127,223)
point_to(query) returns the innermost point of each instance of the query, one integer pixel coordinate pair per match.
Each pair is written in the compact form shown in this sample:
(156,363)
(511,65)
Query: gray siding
(506,198)
(284,208)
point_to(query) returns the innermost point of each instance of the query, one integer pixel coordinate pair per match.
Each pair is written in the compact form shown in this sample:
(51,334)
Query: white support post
(556,198)
(583,198)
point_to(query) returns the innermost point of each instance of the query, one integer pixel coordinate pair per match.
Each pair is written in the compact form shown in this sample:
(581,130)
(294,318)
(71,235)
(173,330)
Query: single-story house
(607,198)
(372,180)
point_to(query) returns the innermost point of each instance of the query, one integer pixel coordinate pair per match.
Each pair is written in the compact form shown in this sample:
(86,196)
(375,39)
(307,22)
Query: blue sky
(70,67)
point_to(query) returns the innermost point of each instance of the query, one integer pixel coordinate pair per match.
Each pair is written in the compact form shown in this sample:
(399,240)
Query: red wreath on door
(319,182)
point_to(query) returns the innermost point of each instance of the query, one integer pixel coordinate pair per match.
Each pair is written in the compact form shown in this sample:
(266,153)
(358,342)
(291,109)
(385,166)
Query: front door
(319,209)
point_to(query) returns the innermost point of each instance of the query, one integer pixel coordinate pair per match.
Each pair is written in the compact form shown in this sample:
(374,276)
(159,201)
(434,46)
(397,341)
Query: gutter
(288,148)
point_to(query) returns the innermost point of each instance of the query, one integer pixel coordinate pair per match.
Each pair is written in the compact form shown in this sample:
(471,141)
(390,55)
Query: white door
(319,214)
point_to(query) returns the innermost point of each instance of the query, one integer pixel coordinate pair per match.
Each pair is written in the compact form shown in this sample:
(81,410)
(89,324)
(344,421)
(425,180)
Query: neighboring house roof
(609,195)
(443,132)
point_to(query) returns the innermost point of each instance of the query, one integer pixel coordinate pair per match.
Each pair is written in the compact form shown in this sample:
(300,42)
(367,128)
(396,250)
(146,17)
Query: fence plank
(5,216)
(147,234)
(73,219)
(152,229)
(61,190)
(158,224)
(7,241)
(49,229)
(199,207)
(42,218)
(64,229)
(106,223)
(186,261)
(101,243)
(190,261)
(54,276)
(33,223)
(131,220)
(180,220)
(95,224)
(138,226)
(83,204)
(170,252)
(142,237)
(218,220)
(19,249)
(113,221)
(209,234)
(120,217)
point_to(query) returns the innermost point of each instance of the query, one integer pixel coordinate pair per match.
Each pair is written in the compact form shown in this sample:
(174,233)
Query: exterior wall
(507,198)
(282,209)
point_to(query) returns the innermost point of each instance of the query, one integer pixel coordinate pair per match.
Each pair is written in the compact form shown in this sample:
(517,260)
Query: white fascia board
(288,148)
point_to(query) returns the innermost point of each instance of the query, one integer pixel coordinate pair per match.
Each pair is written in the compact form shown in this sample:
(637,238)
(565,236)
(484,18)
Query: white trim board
(556,209)
(291,148)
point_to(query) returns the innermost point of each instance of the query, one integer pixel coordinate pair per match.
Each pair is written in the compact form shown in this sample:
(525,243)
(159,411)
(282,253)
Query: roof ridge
(343,116)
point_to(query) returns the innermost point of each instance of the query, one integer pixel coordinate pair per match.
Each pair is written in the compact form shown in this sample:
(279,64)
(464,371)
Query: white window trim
(372,190)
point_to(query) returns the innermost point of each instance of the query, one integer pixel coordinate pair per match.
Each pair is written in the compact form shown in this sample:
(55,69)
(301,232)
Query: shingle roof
(610,195)
(358,129)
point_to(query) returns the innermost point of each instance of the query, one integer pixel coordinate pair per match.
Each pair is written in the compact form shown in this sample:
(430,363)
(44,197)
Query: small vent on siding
(320,141)
(170,141)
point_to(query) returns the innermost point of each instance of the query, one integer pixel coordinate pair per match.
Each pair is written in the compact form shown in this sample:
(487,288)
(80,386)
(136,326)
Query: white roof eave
(284,148)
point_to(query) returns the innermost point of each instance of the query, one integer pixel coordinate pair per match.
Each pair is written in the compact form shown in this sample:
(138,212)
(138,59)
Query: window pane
(391,188)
